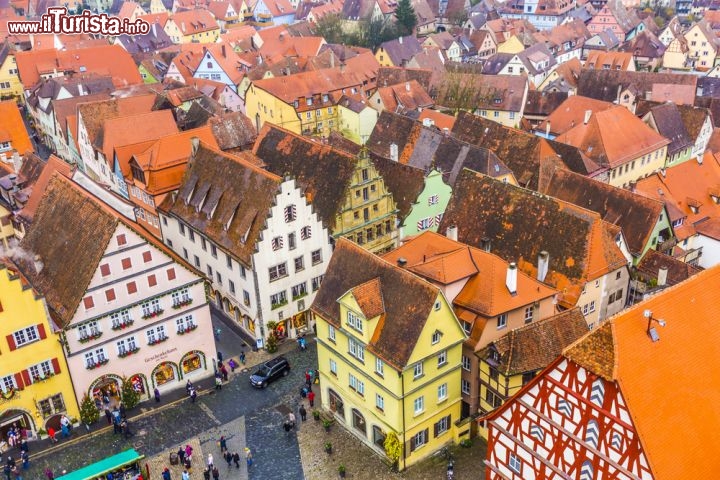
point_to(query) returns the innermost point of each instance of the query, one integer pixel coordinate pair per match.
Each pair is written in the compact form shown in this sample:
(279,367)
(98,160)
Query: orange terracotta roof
(191,22)
(613,137)
(571,113)
(136,128)
(439,119)
(600,60)
(306,84)
(13,128)
(54,164)
(159,18)
(128,9)
(369,297)
(621,351)
(283,45)
(94,114)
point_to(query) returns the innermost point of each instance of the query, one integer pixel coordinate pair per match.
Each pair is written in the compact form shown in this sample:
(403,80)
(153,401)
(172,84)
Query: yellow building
(10,86)
(305,103)
(389,353)
(192,26)
(356,119)
(511,45)
(34,380)
(508,363)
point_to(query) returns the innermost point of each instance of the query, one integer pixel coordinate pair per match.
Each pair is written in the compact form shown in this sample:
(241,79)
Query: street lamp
(652,333)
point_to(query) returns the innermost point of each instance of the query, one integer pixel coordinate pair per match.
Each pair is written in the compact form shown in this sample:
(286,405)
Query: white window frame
(379,366)
(436,337)
(333,367)
(356,349)
(354,321)
(442,358)
(442,391)
(465,386)
(331,332)
(515,464)
(502,321)
(417,370)
(379,402)
(466,363)
(419,405)
(26,335)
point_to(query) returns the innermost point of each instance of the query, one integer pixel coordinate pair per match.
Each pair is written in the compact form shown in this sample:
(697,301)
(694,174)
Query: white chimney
(400,40)
(428,122)
(407,86)
(511,278)
(195,144)
(543,264)
(662,276)
(588,113)
(547,128)
(38,264)
(394,152)
(17,160)
(452,232)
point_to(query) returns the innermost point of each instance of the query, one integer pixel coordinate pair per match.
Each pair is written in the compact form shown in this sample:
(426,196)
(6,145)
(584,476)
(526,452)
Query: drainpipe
(402,386)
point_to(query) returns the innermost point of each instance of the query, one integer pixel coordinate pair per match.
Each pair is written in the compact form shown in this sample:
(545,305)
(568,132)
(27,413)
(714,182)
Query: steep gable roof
(607,84)
(571,112)
(677,270)
(323,172)
(635,214)
(12,128)
(401,50)
(534,346)
(131,129)
(670,125)
(621,351)
(227,198)
(53,164)
(407,299)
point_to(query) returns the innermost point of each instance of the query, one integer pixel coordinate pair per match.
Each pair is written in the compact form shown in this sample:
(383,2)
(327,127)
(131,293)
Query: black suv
(269,371)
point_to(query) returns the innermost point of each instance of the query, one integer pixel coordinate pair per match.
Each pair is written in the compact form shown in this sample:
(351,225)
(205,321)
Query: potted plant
(326,425)
(341,470)
(328,448)
(316,415)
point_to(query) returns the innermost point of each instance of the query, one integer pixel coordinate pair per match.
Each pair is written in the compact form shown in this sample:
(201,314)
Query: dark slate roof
(323,172)
(644,44)
(604,84)
(155,39)
(401,49)
(534,346)
(495,63)
(677,271)
(390,128)
(626,18)
(407,300)
(542,103)
(67,222)
(388,76)
(357,9)
(226,197)
(708,87)
(670,125)
(233,130)
(635,214)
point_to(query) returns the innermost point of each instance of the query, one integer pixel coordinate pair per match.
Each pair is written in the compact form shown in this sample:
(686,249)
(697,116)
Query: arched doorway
(54,422)
(165,374)
(378,437)
(226,306)
(18,419)
(192,362)
(218,300)
(140,384)
(336,403)
(106,386)
(358,422)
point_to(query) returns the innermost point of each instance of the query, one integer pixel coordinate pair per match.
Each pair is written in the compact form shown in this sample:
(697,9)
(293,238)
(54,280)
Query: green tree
(272,343)
(371,33)
(406,18)
(393,448)
(330,27)
(130,398)
(89,413)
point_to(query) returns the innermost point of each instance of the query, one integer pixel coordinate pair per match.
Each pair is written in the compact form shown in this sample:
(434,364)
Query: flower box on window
(154,314)
(127,353)
(158,340)
(278,305)
(122,325)
(97,364)
(92,336)
(182,303)
(184,330)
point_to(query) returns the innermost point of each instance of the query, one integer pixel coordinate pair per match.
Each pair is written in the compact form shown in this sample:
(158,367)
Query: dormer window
(437,334)
(354,321)
(309,102)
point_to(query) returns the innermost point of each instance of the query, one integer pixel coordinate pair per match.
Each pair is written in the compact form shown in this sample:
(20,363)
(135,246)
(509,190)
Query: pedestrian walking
(188,386)
(308,377)
(109,416)
(223,444)
(193,394)
(291,418)
(188,451)
(210,460)
(65,426)
(51,434)
(122,411)
(218,383)
(11,462)
(215,473)
(185,475)
(188,463)
(233,365)
(49,474)
(228,458)
(206,473)
(224,373)
(157,395)
(181,455)
(303,413)
(248,457)
(25,457)
(7,471)
(242,357)
(311,398)
(166,474)
(236,459)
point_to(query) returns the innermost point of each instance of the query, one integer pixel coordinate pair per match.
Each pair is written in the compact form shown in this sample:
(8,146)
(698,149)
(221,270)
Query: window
(242,271)
(95,357)
(425,223)
(299,290)
(357,349)
(419,405)
(156,334)
(442,426)
(502,321)
(120,319)
(315,282)
(529,311)
(180,296)
(466,363)
(147,257)
(467,326)
(228,261)
(192,236)
(442,358)
(126,345)
(592,306)
(305,232)
(7,383)
(278,271)
(185,253)
(110,295)
(316,257)
(465,386)
(515,464)
(126,263)
(152,280)
(231,284)
(105,270)
(197,261)
(203,243)
(26,335)
(354,321)
(357,385)
(418,440)
(150,308)
(290,213)
(418,370)
(379,402)
(218,277)
(277,243)
(331,332)
(279,299)
(436,336)
(299,264)
(433,200)
(333,367)
(213,251)
(246,298)
(442,392)
(121,240)
(185,323)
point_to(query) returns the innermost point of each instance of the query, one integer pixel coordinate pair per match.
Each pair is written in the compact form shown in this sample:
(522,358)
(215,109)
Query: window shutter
(88,302)
(41,331)
(152,281)
(19,381)
(427,435)
(435,429)
(56,365)
(126,263)
(105,270)
(11,342)
(131,288)
(26,378)
(412,443)
(110,295)
(147,256)
(171,274)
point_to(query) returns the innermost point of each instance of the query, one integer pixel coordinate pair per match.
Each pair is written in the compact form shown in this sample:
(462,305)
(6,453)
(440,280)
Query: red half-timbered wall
(567,424)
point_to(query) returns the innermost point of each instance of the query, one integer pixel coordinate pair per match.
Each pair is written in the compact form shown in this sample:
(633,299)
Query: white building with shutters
(127,306)
(261,245)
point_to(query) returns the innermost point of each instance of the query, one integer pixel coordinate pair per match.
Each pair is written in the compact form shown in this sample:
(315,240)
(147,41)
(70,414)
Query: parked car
(269,372)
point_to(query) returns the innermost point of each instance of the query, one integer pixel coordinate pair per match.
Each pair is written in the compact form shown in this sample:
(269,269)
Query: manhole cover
(283,409)
(138,445)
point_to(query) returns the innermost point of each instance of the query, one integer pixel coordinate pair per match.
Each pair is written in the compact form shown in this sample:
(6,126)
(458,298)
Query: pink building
(127,306)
